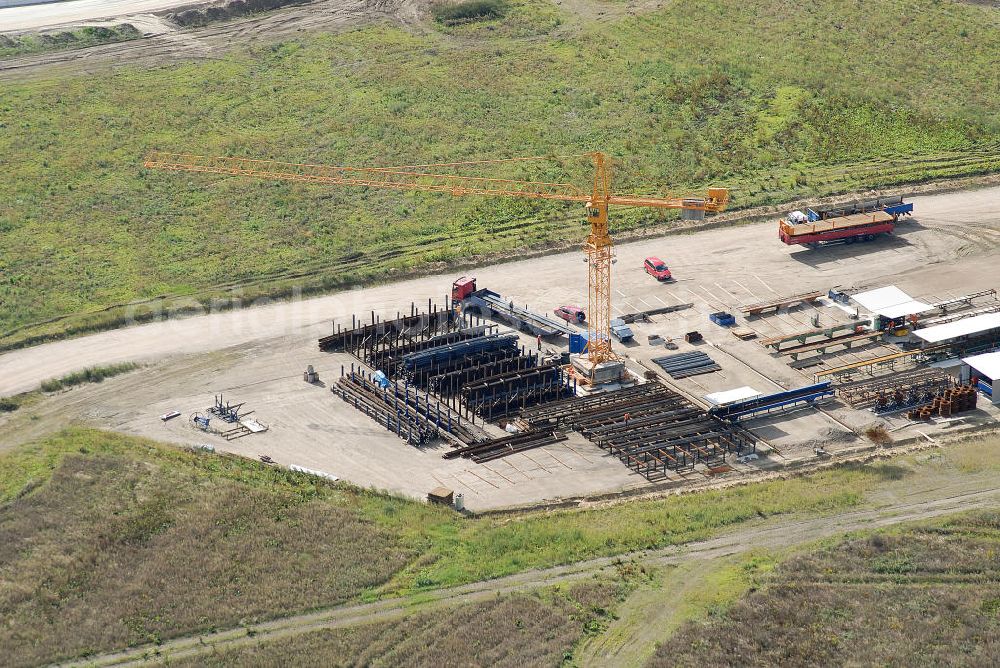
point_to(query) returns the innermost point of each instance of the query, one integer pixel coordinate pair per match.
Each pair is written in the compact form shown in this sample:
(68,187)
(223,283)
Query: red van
(572,314)
(657,268)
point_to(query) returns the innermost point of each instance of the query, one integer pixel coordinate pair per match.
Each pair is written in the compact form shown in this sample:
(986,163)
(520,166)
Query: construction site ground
(257,356)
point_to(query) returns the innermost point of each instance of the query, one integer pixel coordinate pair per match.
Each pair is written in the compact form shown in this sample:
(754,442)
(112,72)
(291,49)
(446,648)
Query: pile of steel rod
(508,393)
(650,428)
(684,365)
(507,445)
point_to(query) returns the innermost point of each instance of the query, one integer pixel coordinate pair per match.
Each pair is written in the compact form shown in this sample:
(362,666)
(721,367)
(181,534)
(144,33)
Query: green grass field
(108,540)
(773,100)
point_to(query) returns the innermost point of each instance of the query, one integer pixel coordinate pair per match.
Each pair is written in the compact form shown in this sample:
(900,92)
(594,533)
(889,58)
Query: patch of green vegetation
(94,374)
(30,43)
(921,595)
(108,542)
(230,10)
(774,101)
(9,404)
(491,547)
(466,11)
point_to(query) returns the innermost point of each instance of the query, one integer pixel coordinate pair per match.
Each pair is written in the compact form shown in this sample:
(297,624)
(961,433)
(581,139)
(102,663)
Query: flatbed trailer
(781,302)
(855,227)
(492,305)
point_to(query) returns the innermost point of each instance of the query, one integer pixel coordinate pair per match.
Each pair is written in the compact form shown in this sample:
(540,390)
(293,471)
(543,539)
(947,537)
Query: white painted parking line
(735,299)
(759,280)
(746,289)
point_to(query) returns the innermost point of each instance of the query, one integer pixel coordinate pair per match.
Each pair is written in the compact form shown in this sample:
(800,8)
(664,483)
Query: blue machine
(772,402)
(722,319)
(577,343)
(894,206)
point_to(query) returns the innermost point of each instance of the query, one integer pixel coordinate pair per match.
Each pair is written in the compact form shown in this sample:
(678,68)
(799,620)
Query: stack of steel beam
(449,383)
(768,403)
(683,365)
(415,326)
(650,428)
(569,412)
(386,355)
(508,393)
(419,367)
(412,415)
(507,445)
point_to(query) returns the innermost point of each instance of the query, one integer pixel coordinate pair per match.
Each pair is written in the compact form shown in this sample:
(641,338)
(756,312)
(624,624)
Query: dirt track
(923,503)
(167,42)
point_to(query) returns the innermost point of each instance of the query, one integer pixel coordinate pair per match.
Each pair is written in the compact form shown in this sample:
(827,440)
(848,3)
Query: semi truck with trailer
(848,223)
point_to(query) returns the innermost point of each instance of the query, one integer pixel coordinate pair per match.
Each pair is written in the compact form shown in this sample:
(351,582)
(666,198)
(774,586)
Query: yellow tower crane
(598,247)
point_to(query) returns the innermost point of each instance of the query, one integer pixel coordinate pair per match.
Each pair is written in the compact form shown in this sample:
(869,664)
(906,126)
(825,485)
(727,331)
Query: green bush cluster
(230,10)
(453,13)
(94,374)
(23,45)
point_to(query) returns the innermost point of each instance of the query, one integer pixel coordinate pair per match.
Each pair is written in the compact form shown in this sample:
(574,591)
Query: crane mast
(598,246)
(598,251)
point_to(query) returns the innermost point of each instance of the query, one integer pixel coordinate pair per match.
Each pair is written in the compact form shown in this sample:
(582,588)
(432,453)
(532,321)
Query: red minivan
(572,314)
(657,268)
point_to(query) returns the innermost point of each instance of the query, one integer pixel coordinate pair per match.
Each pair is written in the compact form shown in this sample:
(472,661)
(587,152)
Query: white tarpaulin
(987,365)
(963,327)
(731,396)
(890,302)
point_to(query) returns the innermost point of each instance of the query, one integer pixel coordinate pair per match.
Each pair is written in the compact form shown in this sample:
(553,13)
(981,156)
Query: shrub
(878,435)
(230,10)
(450,14)
(94,374)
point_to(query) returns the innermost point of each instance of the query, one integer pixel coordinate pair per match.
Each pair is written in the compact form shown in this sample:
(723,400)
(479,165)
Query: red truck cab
(572,314)
(657,268)
(462,288)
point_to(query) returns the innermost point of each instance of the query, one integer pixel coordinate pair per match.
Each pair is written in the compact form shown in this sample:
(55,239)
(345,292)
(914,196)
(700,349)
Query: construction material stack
(650,428)
(955,400)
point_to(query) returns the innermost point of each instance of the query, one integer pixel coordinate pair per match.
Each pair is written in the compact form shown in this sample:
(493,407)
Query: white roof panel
(890,302)
(987,364)
(906,308)
(963,327)
(731,396)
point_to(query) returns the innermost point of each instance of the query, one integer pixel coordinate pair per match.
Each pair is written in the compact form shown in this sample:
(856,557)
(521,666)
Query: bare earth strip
(970,493)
